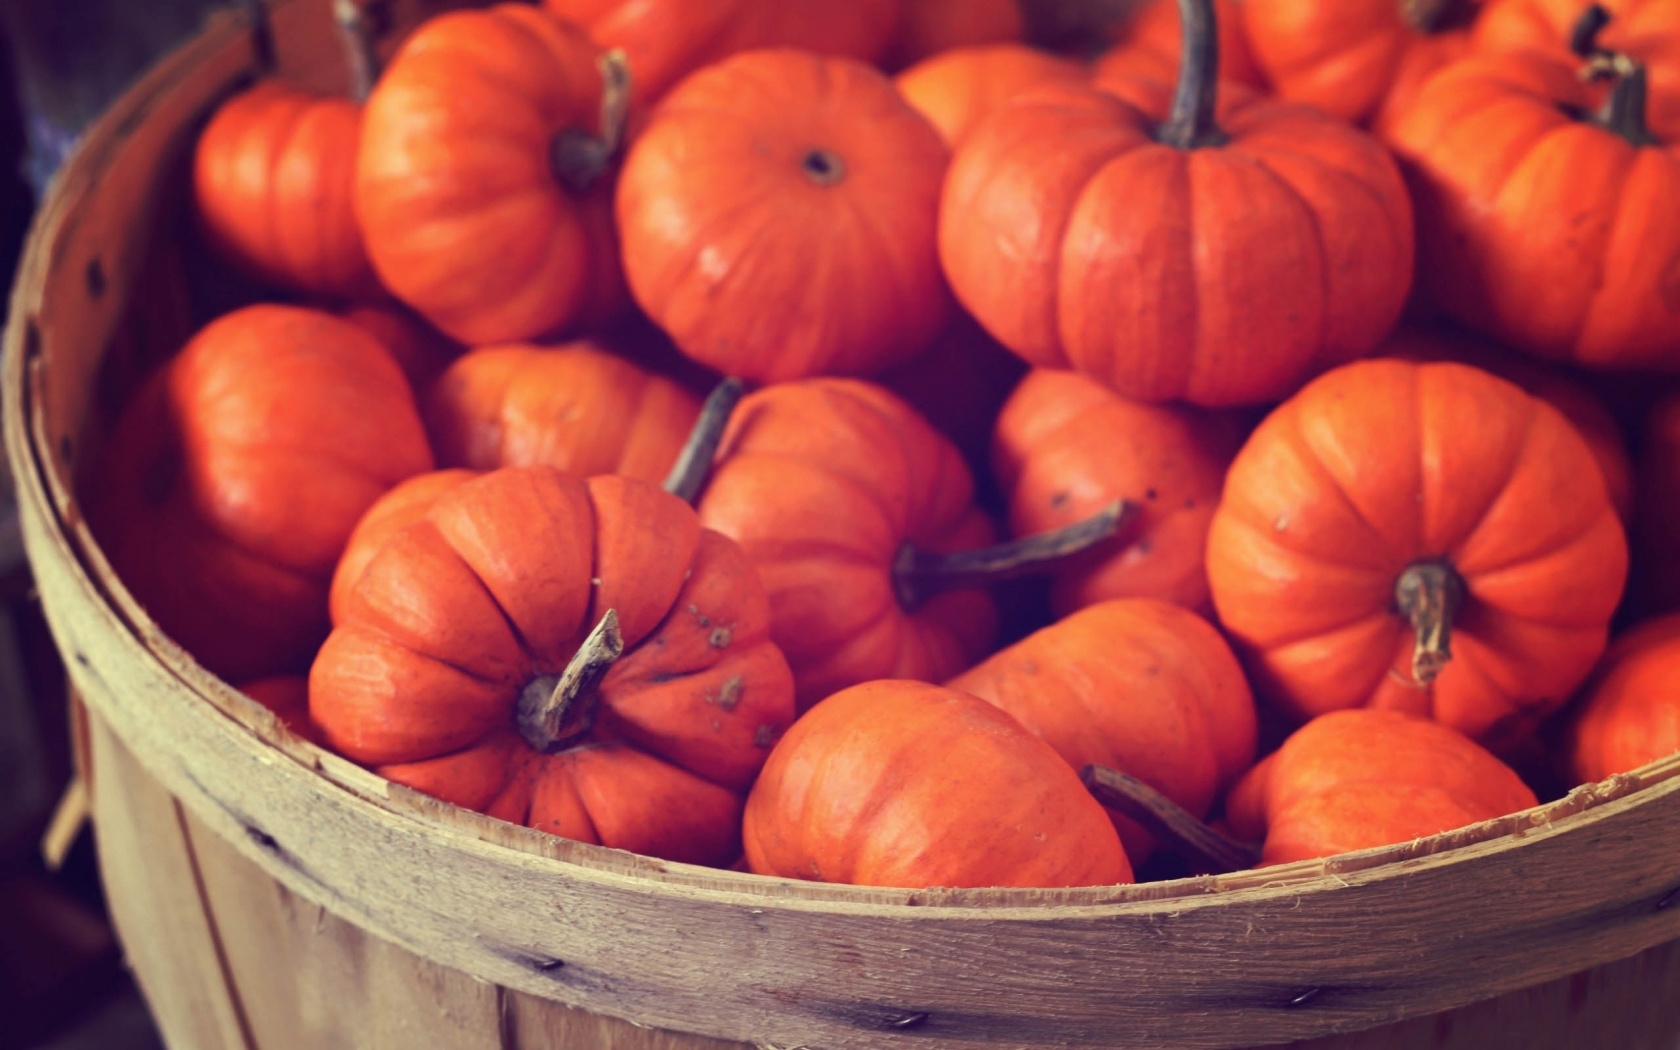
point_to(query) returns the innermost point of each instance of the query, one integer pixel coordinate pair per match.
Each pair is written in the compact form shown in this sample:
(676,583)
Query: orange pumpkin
(906,784)
(1137,685)
(1656,585)
(404,504)
(578,408)
(1149,45)
(1544,221)
(1424,537)
(956,90)
(479,184)
(1219,262)
(1065,446)
(1629,715)
(778,218)
(421,351)
(1353,780)
(932,27)
(273,181)
(577,655)
(234,478)
(666,40)
(1345,56)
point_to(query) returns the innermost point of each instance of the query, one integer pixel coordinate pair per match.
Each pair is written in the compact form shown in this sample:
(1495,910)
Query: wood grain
(495,925)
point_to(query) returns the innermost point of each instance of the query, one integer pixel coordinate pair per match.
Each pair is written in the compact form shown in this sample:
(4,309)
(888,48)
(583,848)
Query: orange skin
(235,477)
(421,350)
(1384,464)
(464,219)
(1656,585)
(823,482)
(1343,57)
(1515,195)
(1423,59)
(401,506)
(1353,780)
(1081,242)
(1647,30)
(934,27)
(273,175)
(956,90)
(667,40)
(1149,45)
(493,588)
(577,408)
(1065,447)
(907,784)
(1137,685)
(1629,714)
(757,266)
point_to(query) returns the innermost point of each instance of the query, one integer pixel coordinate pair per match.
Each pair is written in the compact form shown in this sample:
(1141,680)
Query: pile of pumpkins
(841,441)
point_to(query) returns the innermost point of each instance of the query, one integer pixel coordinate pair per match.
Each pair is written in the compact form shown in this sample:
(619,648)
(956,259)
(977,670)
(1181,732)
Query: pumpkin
(956,90)
(273,180)
(1550,384)
(288,697)
(404,504)
(421,351)
(1136,685)
(861,520)
(1424,537)
(1344,56)
(778,216)
(1066,446)
(1656,586)
(908,784)
(932,27)
(578,408)
(479,181)
(1149,45)
(1352,780)
(1544,220)
(234,478)
(1629,714)
(577,655)
(1218,262)
(666,40)
(1646,30)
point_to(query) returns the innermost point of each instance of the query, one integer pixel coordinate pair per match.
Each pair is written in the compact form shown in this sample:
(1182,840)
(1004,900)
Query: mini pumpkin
(1149,45)
(1629,713)
(915,785)
(956,90)
(1148,254)
(1353,780)
(1139,686)
(1424,537)
(235,477)
(480,181)
(778,218)
(577,655)
(421,351)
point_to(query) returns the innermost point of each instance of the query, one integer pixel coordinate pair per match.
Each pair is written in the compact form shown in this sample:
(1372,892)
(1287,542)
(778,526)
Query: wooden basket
(272,895)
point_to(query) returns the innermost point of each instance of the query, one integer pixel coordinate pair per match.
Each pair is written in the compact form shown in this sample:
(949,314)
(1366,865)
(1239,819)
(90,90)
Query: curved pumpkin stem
(1583,35)
(549,715)
(1430,594)
(578,158)
(694,463)
(1626,111)
(1191,123)
(360,23)
(1168,821)
(918,576)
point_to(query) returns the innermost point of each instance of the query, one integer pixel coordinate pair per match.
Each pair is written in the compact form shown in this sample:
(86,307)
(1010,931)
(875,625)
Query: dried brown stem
(554,711)
(1191,124)
(1429,594)
(1168,821)
(579,158)
(694,463)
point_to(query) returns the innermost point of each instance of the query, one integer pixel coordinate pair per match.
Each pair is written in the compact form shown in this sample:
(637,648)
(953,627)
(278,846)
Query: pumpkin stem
(1430,594)
(579,158)
(549,716)
(1168,821)
(1190,125)
(1583,36)
(1625,112)
(360,22)
(918,575)
(694,463)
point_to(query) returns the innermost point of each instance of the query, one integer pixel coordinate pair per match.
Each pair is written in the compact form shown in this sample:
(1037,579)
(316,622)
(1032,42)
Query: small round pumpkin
(1149,45)
(1353,780)
(1137,685)
(907,784)
(1425,537)
(401,506)
(577,407)
(480,184)
(577,655)
(956,90)
(1065,446)
(1629,713)
(1219,262)
(933,27)
(778,217)
(234,479)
